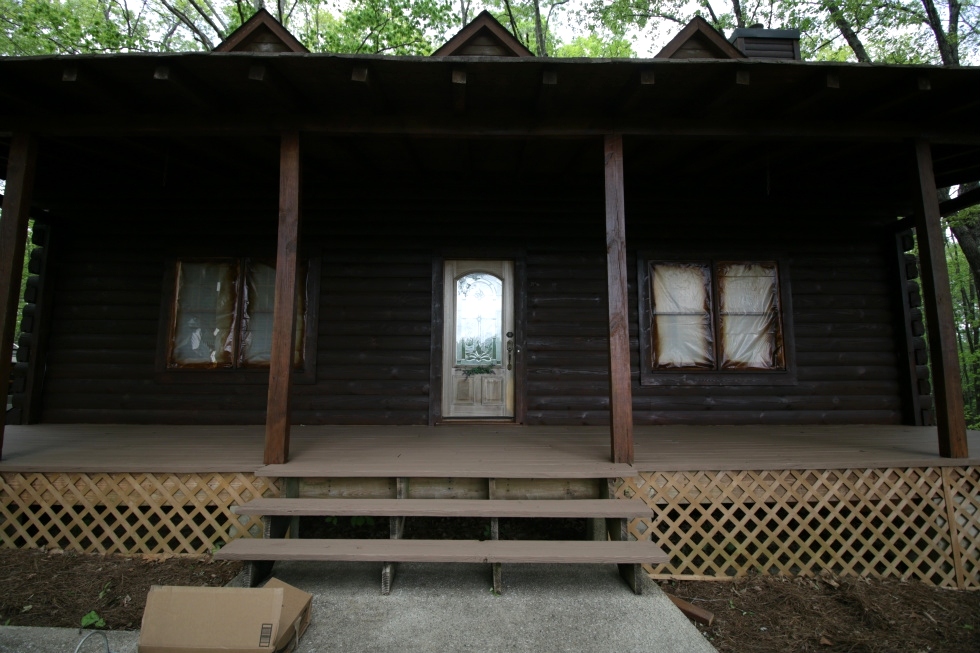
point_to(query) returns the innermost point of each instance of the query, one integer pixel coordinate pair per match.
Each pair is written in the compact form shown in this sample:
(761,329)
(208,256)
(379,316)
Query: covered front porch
(472,451)
(728,500)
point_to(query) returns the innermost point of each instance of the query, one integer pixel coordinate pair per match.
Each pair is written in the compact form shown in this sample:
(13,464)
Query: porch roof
(472,451)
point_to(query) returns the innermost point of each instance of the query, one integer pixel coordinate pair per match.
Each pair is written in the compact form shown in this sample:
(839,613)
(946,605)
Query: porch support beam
(939,310)
(284,307)
(13,239)
(620,392)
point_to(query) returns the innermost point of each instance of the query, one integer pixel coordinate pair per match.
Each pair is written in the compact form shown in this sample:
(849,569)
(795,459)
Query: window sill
(733,378)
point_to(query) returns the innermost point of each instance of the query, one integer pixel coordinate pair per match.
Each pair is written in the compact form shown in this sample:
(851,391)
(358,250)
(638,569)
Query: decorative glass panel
(479,305)
(681,301)
(205,314)
(749,316)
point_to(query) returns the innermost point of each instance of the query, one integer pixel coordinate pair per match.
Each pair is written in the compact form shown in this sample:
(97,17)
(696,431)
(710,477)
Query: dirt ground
(752,615)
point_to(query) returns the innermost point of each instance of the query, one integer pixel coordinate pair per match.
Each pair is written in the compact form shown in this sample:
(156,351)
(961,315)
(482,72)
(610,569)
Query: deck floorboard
(474,451)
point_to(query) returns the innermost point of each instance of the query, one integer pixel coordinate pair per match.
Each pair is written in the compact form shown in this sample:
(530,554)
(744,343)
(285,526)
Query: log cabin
(700,299)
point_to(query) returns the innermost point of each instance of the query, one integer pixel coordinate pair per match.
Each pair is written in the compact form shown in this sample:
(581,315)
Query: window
(222,314)
(705,317)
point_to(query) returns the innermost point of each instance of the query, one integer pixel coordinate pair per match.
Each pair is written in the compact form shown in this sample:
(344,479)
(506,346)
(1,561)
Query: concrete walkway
(437,608)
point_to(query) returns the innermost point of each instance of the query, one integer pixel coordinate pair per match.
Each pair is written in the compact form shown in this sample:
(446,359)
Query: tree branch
(847,32)
(201,36)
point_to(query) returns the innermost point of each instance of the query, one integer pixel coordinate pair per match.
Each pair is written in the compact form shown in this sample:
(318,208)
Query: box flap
(199,619)
(295,616)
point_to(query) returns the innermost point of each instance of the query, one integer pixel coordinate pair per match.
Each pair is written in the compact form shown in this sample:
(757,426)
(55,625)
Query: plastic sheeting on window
(748,300)
(681,296)
(256,331)
(204,315)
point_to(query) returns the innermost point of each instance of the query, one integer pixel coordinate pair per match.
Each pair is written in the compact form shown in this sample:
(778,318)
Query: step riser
(570,509)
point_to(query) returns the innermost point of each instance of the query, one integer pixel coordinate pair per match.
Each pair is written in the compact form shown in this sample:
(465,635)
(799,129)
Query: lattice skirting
(918,523)
(128,513)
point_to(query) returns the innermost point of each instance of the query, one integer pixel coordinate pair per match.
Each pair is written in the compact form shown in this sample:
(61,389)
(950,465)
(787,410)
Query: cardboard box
(268,619)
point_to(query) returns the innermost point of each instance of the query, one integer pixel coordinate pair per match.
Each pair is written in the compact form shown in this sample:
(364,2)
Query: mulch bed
(61,588)
(752,615)
(831,613)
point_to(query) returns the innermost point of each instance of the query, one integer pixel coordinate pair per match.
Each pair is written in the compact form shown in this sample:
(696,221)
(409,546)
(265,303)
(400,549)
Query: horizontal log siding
(847,367)
(374,330)
(373,339)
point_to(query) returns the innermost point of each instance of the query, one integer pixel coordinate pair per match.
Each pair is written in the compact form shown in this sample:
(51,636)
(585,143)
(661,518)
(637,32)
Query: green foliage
(596,46)
(966,315)
(93,619)
(374,26)
(35,27)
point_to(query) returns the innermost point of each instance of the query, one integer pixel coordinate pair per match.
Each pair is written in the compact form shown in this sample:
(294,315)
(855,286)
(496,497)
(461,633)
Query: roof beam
(458,79)
(960,202)
(755,129)
(92,87)
(274,87)
(182,85)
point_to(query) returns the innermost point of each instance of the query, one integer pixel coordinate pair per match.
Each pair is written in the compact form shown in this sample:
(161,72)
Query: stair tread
(478,551)
(568,508)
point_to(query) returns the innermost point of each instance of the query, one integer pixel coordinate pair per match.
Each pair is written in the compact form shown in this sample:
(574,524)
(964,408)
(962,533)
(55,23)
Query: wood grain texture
(580,508)
(13,239)
(938,302)
(277,421)
(472,551)
(551,452)
(620,392)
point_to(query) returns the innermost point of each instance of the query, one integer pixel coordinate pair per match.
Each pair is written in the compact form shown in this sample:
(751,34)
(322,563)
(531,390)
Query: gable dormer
(484,36)
(261,33)
(699,40)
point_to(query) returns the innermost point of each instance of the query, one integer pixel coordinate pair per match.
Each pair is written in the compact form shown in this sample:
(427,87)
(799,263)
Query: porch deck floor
(467,451)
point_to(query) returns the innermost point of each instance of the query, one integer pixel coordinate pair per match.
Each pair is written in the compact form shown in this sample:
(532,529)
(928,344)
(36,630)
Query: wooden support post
(396,530)
(284,308)
(496,569)
(620,392)
(13,239)
(938,304)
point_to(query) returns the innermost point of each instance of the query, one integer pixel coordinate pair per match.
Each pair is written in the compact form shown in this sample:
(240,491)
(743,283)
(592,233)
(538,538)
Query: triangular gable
(261,33)
(699,40)
(483,36)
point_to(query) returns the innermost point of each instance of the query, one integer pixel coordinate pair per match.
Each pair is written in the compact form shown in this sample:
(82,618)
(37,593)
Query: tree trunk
(966,227)
(848,32)
(739,14)
(946,42)
(539,31)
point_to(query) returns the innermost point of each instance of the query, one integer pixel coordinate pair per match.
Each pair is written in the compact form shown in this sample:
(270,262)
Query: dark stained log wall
(374,332)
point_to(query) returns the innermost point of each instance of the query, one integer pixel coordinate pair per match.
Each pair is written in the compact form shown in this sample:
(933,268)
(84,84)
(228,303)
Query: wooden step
(567,508)
(474,551)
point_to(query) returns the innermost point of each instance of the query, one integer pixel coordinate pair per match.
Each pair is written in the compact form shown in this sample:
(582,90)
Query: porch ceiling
(137,124)
(481,452)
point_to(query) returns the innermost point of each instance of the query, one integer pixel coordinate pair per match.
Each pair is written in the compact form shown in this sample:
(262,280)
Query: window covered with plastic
(715,316)
(223,314)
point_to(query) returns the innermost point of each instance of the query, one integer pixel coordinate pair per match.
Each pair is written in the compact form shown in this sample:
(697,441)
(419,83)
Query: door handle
(510,354)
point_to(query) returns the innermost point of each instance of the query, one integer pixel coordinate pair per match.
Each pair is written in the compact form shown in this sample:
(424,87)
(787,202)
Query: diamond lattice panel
(864,522)
(128,513)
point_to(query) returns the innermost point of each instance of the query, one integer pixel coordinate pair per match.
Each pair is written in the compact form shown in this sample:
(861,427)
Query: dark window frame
(650,376)
(305,373)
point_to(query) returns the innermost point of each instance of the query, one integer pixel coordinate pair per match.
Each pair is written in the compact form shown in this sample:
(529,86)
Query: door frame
(520,329)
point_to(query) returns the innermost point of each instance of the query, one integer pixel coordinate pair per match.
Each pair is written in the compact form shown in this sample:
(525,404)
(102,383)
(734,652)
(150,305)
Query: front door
(478,340)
